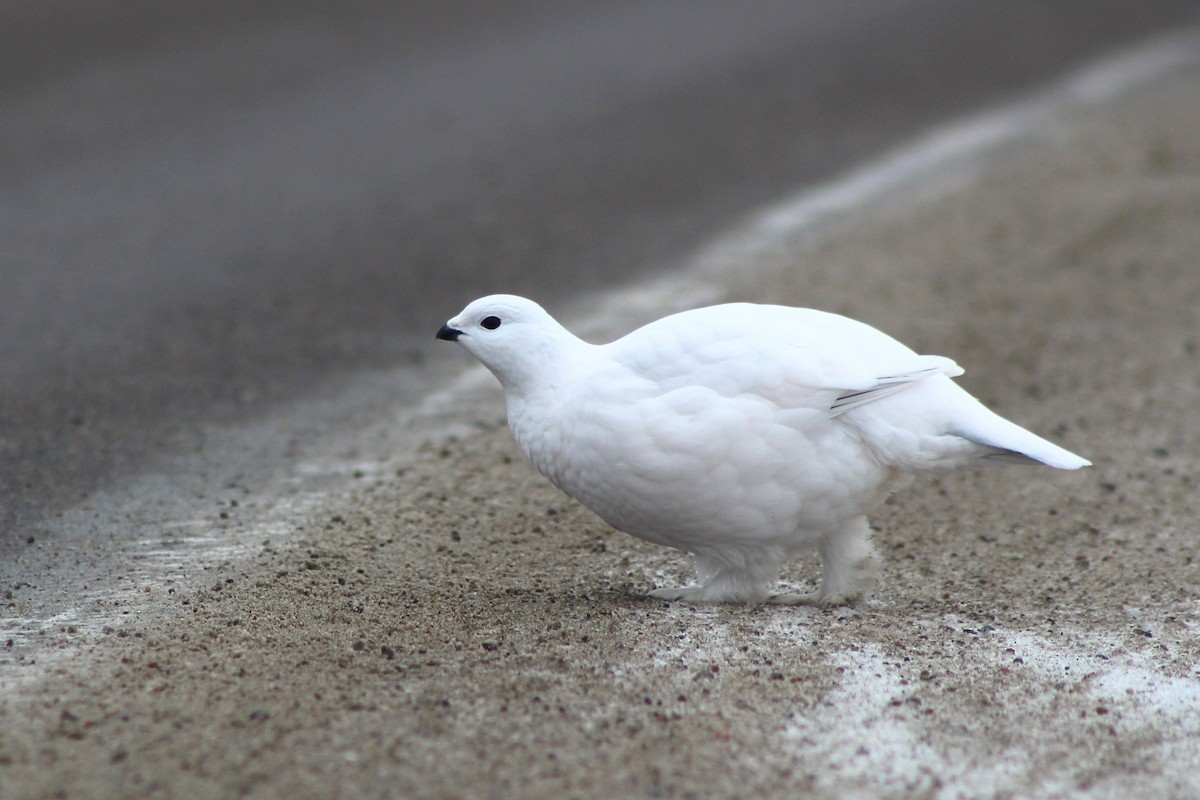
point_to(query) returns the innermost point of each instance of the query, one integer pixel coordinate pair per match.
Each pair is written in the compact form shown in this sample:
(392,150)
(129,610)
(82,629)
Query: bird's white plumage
(743,434)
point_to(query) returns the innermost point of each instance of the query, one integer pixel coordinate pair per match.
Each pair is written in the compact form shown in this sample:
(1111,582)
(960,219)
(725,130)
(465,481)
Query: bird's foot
(795,599)
(721,584)
(688,594)
(708,593)
(815,599)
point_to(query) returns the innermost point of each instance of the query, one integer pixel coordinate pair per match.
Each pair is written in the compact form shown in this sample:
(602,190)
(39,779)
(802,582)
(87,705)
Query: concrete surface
(451,626)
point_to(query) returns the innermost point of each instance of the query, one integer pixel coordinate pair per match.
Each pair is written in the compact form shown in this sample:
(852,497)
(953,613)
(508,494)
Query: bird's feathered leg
(729,577)
(849,568)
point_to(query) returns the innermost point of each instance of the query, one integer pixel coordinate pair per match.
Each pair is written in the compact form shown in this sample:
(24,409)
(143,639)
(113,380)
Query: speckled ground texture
(451,626)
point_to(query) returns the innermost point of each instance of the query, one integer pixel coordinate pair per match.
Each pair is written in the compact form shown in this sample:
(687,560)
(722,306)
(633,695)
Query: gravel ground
(452,626)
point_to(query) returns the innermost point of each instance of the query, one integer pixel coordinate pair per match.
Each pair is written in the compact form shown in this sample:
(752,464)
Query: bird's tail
(1011,443)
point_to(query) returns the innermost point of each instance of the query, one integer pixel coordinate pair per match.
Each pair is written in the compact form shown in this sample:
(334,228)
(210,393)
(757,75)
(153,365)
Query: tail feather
(921,419)
(1014,444)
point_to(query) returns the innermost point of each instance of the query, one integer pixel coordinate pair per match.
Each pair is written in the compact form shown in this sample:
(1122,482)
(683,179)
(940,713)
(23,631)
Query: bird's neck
(547,373)
(542,365)
(543,382)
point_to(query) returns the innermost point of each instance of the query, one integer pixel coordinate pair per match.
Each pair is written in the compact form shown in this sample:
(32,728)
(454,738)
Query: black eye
(491,323)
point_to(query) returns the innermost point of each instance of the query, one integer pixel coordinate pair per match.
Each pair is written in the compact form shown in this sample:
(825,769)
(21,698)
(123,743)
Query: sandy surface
(452,626)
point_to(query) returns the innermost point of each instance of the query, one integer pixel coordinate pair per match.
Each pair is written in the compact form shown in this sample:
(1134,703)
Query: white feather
(741,433)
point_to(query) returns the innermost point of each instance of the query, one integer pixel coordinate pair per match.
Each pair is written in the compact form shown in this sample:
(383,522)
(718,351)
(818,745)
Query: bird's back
(904,406)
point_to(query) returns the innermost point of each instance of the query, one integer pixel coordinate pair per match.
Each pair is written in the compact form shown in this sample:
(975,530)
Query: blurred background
(209,208)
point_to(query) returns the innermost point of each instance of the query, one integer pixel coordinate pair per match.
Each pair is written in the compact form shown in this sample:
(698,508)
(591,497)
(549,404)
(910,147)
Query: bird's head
(513,337)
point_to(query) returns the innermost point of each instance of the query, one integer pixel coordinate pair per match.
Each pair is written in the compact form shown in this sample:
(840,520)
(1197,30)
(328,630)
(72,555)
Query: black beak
(446,333)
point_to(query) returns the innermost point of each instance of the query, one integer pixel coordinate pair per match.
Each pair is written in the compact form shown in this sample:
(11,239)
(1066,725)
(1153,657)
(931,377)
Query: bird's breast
(667,466)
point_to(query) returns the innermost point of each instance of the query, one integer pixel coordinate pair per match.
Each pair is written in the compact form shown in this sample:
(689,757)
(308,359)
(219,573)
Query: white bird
(743,434)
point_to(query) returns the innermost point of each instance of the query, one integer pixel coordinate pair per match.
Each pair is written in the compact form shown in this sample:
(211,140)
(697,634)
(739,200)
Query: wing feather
(793,358)
(885,385)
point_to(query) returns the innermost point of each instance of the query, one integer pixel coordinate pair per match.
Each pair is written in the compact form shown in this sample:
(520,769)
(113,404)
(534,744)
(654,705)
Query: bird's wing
(920,368)
(792,358)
